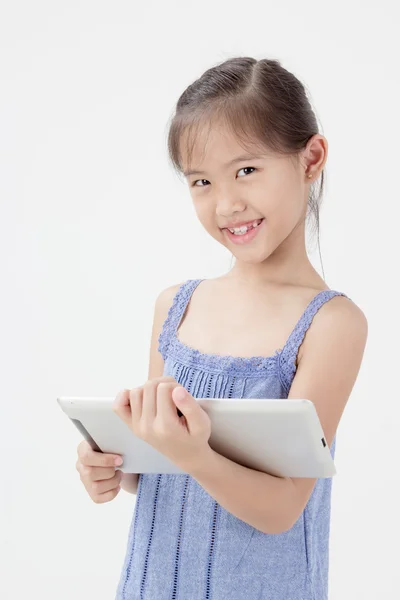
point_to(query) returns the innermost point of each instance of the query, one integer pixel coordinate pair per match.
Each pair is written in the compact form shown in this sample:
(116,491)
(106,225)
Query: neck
(289,264)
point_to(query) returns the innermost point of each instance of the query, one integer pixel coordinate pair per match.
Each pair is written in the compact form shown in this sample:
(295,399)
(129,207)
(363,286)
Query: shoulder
(164,302)
(166,297)
(342,314)
(159,335)
(338,324)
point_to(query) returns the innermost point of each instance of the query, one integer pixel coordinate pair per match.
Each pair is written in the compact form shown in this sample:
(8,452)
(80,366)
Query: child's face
(274,189)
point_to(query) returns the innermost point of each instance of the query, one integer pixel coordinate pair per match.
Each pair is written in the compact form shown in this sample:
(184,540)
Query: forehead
(216,146)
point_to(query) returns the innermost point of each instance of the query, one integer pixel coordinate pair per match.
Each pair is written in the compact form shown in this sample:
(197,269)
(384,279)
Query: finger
(136,405)
(102,486)
(126,399)
(149,403)
(168,379)
(93,458)
(84,445)
(166,409)
(107,496)
(122,406)
(97,473)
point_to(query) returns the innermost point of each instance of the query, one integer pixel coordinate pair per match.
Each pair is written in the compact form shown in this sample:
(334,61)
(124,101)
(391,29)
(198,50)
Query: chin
(252,254)
(251,257)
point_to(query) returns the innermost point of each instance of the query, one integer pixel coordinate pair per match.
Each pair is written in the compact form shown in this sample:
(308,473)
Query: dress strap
(287,357)
(175,314)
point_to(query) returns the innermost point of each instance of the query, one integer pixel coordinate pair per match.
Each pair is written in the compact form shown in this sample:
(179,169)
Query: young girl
(246,139)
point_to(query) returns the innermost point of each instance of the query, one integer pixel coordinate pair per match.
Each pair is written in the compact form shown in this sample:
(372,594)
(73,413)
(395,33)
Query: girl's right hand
(98,473)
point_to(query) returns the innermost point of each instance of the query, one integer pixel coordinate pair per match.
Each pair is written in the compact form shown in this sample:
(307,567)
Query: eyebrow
(228,164)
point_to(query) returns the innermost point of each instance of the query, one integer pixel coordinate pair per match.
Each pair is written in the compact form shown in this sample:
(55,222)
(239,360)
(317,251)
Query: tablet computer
(282,437)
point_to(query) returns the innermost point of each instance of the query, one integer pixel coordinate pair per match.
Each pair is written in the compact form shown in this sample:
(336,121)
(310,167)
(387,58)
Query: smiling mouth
(245,228)
(242,238)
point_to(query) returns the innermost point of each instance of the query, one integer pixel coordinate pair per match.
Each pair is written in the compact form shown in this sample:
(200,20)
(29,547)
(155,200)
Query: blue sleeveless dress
(182,545)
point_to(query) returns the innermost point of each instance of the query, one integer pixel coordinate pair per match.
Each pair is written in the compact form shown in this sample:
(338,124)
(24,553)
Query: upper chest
(240,325)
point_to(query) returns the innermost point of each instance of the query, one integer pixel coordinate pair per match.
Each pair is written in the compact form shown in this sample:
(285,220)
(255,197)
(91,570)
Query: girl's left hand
(150,411)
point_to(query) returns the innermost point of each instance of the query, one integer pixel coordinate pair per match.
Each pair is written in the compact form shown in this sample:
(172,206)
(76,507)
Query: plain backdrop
(95,223)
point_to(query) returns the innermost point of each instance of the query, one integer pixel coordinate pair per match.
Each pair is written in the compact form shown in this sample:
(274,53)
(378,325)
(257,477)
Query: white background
(94,224)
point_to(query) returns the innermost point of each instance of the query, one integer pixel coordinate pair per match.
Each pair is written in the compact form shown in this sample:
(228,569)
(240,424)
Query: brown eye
(194,183)
(247,168)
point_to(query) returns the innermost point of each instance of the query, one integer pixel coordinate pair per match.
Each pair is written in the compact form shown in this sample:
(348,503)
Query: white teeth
(244,229)
(239,229)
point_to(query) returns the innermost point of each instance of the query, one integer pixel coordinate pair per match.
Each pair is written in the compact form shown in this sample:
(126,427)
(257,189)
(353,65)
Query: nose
(227,205)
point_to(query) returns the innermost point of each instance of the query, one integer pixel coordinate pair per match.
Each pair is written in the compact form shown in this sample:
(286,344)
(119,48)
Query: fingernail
(118,461)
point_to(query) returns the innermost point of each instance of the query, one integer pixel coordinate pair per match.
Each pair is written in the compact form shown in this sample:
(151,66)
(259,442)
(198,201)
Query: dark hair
(259,100)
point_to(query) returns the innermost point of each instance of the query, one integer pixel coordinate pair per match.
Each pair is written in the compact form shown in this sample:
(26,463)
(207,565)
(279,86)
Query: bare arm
(129,481)
(328,368)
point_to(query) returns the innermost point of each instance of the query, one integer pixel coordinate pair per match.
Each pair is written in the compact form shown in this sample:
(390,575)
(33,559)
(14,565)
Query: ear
(315,155)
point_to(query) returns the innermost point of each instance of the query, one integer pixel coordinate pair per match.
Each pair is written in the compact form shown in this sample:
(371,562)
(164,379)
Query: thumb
(196,417)
(180,396)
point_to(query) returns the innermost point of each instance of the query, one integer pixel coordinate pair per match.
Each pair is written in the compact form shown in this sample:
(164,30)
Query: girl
(246,139)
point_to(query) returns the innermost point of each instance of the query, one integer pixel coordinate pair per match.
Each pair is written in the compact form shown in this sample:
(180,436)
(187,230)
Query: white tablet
(281,437)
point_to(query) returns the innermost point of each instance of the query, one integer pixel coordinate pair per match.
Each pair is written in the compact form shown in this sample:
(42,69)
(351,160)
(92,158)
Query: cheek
(284,198)
(205,214)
